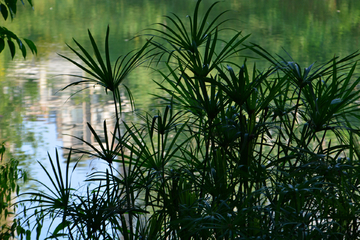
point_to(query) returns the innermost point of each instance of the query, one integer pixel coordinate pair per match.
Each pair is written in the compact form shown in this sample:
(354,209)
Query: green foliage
(9,7)
(235,153)
(102,72)
(6,36)
(9,186)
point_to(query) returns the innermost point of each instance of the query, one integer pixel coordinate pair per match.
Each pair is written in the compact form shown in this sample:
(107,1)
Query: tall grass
(236,152)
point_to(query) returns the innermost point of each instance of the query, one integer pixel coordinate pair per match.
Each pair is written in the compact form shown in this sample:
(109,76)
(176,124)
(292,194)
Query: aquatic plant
(234,153)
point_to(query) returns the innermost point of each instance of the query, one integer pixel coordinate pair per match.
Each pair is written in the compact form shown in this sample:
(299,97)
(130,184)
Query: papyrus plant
(236,152)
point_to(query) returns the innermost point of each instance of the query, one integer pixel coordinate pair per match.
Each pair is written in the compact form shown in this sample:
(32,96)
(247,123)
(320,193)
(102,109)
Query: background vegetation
(8,9)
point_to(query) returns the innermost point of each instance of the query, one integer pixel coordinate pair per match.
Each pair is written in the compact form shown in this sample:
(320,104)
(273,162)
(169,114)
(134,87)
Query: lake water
(36,118)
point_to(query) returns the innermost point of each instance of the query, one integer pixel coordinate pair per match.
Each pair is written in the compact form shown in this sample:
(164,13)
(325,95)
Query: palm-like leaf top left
(100,69)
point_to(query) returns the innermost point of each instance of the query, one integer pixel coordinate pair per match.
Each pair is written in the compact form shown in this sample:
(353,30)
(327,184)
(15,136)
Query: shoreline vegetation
(233,152)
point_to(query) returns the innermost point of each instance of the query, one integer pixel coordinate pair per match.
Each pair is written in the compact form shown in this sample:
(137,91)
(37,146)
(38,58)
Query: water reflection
(49,118)
(44,115)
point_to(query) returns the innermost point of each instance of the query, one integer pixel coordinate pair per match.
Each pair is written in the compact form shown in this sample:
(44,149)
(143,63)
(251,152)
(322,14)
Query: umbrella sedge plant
(236,152)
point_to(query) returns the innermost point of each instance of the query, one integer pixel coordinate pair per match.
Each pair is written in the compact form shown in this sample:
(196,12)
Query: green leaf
(38,230)
(2,44)
(12,6)
(22,48)
(28,235)
(60,227)
(4,11)
(12,48)
(31,45)
(30,2)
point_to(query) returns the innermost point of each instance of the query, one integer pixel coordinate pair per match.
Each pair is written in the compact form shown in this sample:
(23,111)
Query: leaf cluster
(9,7)
(10,176)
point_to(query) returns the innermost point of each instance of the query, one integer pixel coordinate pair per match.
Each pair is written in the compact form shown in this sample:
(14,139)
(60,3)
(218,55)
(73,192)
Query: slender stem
(294,118)
(207,149)
(116,94)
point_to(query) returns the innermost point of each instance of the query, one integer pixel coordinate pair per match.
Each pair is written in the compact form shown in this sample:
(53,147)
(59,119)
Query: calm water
(36,118)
